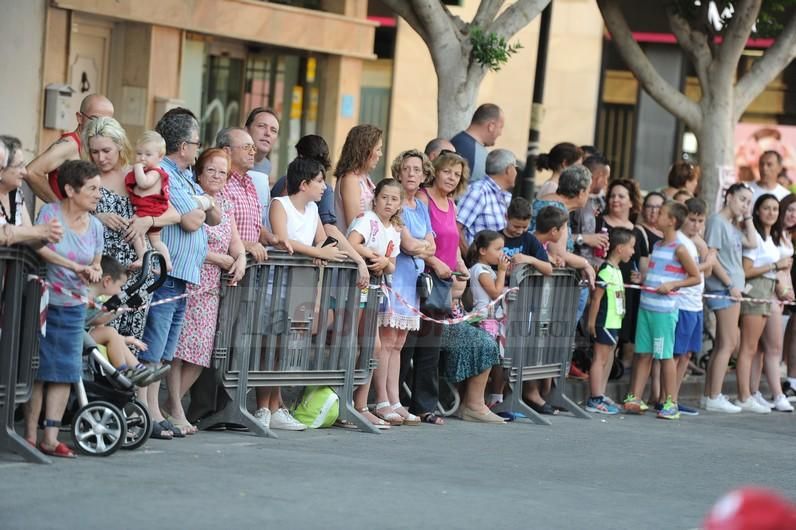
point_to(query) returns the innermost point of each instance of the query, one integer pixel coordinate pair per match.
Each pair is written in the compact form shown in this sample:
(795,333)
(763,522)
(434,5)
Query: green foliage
(491,50)
(770,22)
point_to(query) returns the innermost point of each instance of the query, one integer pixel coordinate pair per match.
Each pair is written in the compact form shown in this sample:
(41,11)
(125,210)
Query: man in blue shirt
(484,130)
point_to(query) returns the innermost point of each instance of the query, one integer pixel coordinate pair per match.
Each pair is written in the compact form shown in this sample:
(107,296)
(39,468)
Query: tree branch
(737,32)
(487,11)
(517,16)
(405,10)
(766,68)
(664,93)
(695,44)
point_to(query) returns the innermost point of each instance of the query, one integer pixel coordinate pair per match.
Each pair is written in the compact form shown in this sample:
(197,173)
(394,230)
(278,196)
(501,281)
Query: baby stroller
(103,411)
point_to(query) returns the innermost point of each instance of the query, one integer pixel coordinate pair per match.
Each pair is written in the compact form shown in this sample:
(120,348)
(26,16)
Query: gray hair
(176,128)
(498,160)
(574,180)
(224,136)
(9,145)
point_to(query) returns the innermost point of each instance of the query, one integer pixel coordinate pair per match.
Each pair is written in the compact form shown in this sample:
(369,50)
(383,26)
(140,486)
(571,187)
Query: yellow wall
(573,73)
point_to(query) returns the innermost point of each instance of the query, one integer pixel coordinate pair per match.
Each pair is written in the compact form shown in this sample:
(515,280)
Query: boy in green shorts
(671,267)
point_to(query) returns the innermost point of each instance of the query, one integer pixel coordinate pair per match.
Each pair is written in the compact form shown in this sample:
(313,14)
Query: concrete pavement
(623,472)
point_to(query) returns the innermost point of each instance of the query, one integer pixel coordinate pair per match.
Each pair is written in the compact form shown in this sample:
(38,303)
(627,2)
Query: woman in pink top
(422,346)
(353,193)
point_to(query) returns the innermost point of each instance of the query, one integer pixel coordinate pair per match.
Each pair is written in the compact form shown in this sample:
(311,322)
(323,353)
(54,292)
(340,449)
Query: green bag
(319,407)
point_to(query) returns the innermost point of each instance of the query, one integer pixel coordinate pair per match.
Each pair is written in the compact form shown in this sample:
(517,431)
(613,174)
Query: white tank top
(301,227)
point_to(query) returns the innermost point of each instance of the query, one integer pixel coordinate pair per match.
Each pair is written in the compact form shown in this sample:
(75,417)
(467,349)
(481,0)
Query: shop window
(221,95)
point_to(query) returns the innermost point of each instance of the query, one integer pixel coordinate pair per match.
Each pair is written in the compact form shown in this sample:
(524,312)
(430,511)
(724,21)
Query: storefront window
(221,96)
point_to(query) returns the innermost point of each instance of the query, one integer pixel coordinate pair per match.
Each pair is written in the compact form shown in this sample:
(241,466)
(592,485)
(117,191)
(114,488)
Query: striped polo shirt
(187,249)
(664,267)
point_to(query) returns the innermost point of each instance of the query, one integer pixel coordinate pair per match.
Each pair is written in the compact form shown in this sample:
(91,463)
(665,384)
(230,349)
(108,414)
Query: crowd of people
(444,216)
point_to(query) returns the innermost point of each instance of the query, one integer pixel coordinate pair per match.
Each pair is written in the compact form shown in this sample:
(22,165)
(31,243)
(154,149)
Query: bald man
(43,170)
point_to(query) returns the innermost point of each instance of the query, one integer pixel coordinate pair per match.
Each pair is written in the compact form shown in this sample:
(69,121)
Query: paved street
(624,472)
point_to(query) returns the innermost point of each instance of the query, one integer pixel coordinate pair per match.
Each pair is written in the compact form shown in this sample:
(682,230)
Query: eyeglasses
(197,143)
(653,206)
(87,116)
(246,147)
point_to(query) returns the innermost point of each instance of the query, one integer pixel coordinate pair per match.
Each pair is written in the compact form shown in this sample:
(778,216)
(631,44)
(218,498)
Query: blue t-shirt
(526,244)
(325,205)
(80,248)
(472,151)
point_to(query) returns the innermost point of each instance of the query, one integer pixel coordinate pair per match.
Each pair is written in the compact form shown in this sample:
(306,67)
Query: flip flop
(60,451)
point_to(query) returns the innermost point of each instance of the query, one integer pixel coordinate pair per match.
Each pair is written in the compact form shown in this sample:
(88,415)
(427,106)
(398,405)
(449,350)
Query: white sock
(494,399)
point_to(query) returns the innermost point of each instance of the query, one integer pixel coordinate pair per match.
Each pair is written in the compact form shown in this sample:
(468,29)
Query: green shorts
(655,333)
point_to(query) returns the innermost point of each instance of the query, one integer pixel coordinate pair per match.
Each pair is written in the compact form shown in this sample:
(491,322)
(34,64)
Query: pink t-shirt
(446,233)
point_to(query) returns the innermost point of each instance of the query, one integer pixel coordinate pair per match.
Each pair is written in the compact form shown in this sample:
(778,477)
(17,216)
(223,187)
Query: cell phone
(329,241)
(457,274)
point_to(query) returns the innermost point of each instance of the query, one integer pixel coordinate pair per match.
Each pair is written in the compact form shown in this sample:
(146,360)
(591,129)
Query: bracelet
(773,267)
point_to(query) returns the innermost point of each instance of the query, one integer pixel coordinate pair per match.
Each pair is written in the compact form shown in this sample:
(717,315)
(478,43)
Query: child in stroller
(103,411)
(114,276)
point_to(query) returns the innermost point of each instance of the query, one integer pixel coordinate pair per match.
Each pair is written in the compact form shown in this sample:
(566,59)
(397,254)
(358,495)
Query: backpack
(319,407)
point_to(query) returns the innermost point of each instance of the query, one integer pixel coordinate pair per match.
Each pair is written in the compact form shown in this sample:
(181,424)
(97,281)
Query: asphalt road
(623,472)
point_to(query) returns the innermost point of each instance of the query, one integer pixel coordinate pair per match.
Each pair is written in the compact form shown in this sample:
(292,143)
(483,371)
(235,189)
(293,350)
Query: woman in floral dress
(225,254)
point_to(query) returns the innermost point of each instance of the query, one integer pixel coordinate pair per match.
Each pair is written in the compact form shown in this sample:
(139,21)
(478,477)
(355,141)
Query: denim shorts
(164,323)
(61,348)
(717,304)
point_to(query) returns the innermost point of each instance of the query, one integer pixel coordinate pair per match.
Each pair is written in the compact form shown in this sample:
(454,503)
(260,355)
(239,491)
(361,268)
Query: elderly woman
(15,225)
(448,182)
(225,254)
(410,168)
(72,262)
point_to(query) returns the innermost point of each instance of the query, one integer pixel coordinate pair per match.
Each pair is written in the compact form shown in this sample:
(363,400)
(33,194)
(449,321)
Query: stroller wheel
(617,370)
(98,429)
(139,424)
(703,361)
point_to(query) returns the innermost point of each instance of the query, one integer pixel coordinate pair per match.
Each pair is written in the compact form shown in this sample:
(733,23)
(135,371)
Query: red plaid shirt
(246,207)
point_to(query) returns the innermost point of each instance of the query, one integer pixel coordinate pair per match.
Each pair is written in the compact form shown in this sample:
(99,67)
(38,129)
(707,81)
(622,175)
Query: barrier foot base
(350,414)
(518,405)
(560,397)
(12,442)
(237,416)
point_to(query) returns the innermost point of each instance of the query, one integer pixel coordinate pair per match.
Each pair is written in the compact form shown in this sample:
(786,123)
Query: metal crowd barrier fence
(540,334)
(289,322)
(19,341)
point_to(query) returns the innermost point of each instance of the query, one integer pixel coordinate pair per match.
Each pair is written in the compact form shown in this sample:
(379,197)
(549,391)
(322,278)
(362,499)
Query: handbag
(424,282)
(439,299)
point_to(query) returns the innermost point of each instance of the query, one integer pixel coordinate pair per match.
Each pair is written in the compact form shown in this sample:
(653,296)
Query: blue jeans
(582,301)
(164,323)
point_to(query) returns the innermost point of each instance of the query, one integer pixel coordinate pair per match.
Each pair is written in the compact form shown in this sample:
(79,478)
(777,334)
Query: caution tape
(704,295)
(469,317)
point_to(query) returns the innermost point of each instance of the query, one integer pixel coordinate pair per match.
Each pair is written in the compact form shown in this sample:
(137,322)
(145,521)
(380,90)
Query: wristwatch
(579,240)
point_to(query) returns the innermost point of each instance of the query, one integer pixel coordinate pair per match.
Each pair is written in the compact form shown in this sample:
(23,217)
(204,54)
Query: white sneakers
(757,396)
(751,405)
(781,404)
(721,404)
(264,417)
(281,419)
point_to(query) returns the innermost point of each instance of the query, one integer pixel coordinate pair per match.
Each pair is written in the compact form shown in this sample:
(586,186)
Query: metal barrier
(289,322)
(540,334)
(19,341)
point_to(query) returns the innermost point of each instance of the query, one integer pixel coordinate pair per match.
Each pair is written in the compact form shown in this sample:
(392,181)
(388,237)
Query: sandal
(184,426)
(409,418)
(175,432)
(391,417)
(160,433)
(431,418)
(545,408)
(379,423)
(60,450)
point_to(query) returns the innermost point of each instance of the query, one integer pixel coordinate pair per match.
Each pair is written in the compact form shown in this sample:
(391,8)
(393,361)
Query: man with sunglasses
(43,170)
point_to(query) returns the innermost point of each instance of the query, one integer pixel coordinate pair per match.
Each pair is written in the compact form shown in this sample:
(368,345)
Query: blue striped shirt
(187,249)
(664,267)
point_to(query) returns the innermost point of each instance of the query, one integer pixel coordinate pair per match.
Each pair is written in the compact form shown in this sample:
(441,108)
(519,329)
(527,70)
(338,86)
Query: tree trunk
(716,143)
(456,96)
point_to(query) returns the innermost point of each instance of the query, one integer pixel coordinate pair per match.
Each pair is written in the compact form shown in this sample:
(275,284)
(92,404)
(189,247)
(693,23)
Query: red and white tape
(481,313)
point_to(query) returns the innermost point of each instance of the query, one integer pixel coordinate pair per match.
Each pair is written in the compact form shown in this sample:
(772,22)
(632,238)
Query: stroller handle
(151,254)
